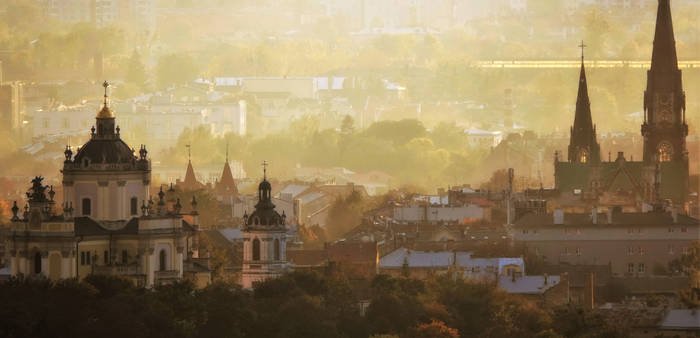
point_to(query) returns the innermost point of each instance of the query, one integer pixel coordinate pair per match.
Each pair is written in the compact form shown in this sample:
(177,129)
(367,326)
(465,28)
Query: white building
(421,264)
(440,213)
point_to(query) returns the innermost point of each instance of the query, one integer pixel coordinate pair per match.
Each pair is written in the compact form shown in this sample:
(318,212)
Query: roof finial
(264,164)
(227,151)
(189,152)
(582,46)
(106,85)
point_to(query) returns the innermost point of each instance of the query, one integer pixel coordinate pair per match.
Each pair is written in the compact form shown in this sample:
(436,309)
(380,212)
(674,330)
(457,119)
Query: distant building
(421,265)
(103,12)
(11,108)
(428,213)
(61,121)
(633,244)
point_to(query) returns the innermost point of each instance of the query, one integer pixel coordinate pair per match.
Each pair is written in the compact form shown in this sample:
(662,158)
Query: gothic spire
(583,146)
(583,120)
(664,52)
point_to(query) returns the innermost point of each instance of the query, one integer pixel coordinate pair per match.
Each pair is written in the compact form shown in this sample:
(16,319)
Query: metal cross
(582,46)
(189,152)
(106,85)
(264,164)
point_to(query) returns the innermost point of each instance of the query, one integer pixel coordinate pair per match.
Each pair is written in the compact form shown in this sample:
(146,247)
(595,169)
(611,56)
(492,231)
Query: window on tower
(256,249)
(665,152)
(583,156)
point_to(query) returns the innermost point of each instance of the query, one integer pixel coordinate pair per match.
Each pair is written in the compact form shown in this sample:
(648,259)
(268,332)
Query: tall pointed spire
(583,146)
(664,127)
(583,122)
(664,53)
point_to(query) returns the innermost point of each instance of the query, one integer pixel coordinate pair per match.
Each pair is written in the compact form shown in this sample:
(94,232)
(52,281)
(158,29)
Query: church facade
(663,173)
(109,223)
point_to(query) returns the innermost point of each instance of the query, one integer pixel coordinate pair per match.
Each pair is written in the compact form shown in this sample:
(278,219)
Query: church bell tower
(664,127)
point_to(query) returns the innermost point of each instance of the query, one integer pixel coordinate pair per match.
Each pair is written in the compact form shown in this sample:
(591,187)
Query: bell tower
(664,127)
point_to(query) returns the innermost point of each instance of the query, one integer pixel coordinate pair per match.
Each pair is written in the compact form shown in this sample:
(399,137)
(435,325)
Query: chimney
(594,215)
(559,216)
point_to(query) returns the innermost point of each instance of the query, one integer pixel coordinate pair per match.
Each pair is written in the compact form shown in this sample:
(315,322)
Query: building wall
(633,250)
(418,213)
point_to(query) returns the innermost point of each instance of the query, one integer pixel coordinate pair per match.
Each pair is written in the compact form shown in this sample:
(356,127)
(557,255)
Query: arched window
(277,249)
(134,206)
(256,249)
(665,151)
(583,156)
(87,210)
(163,261)
(37,263)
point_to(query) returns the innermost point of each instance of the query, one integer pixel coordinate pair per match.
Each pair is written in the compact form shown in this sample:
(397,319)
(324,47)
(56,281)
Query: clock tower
(664,127)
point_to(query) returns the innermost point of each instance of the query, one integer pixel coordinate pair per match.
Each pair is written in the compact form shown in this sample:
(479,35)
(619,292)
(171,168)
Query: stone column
(123,205)
(67,264)
(45,264)
(179,266)
(146,187)
(102,199)
(68,194)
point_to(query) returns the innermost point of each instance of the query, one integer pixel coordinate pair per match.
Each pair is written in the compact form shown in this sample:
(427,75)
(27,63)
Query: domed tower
(106,180)
(265,236)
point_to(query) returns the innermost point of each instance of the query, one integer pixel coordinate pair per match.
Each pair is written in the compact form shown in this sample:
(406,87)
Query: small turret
(15,210)
(68,153)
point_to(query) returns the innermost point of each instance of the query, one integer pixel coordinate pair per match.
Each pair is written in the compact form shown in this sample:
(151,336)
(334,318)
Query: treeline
(300,304)
(404,149)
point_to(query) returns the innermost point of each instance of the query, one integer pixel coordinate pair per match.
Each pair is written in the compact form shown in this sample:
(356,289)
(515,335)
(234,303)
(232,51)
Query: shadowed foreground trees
(300,304)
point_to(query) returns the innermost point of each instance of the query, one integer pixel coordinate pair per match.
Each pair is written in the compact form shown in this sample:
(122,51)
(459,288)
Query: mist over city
(349,168)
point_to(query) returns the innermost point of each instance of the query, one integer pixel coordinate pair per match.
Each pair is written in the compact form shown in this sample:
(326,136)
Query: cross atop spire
(189,152)
(264,164)
(582,46)
(106,85)
(226,152)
